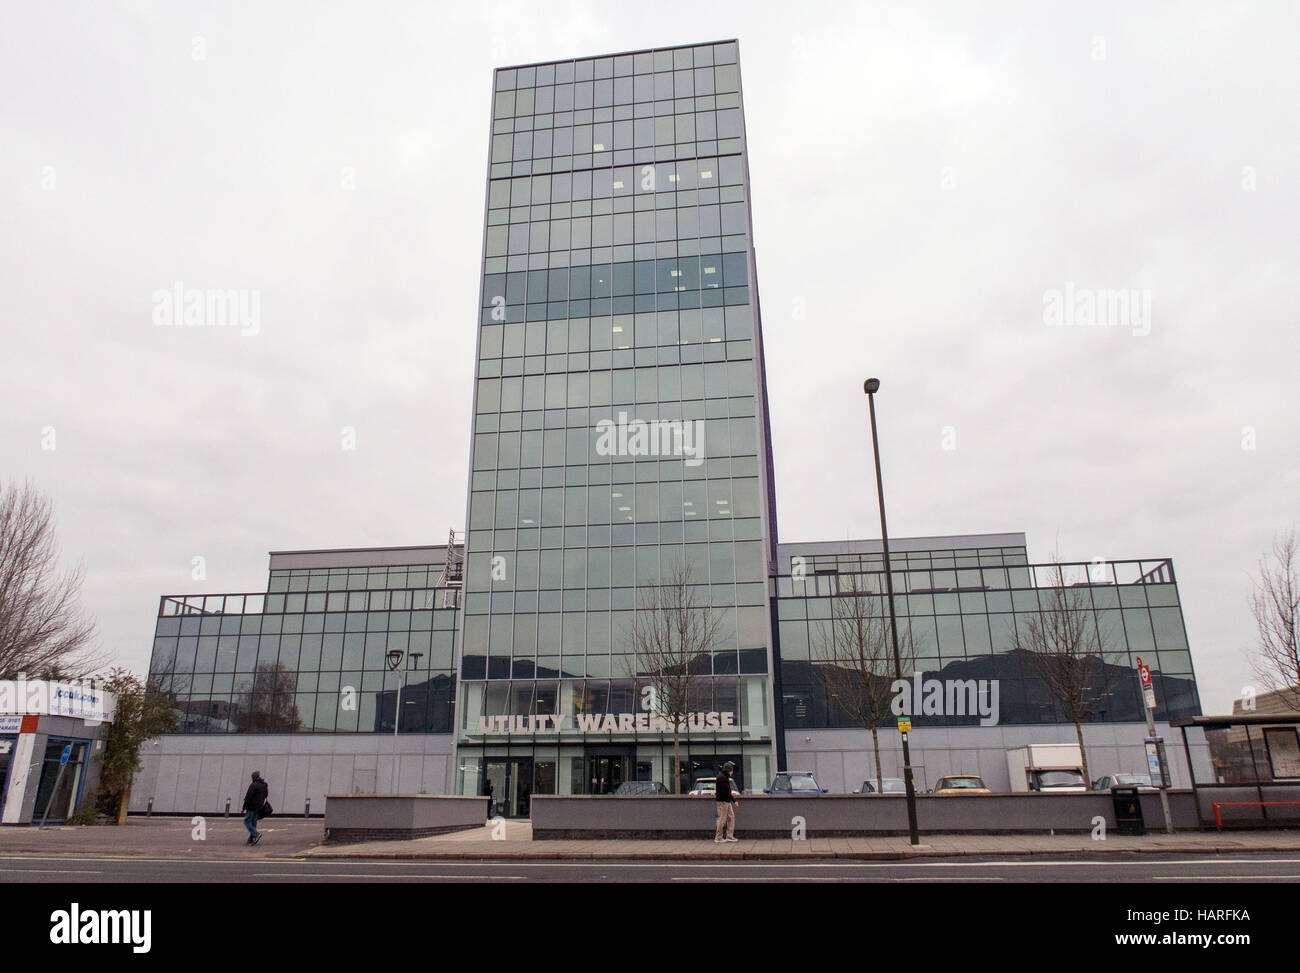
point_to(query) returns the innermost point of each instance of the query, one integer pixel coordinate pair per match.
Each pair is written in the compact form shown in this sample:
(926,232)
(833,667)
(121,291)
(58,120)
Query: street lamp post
(871,386)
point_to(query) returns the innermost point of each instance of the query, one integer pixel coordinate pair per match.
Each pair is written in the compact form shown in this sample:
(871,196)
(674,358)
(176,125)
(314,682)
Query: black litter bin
(1128,811)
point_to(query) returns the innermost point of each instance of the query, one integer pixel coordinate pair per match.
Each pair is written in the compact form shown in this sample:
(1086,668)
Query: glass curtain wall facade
(309,654)
(620,425)
(962,609)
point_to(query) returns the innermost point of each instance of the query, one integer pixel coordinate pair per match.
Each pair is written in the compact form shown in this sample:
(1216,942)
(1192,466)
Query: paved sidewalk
(517,844)
(174,838)
(167,837)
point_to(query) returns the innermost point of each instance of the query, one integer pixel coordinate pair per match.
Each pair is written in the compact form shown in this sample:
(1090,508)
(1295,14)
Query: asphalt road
(1161,871)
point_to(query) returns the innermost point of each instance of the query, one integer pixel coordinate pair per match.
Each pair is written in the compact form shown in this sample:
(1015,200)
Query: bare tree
(855,657)
(672,632)
(43,631)
(1274,601)
(1067,651)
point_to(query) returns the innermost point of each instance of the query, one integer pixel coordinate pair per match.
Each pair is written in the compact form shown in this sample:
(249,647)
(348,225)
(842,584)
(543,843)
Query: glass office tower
(620,425)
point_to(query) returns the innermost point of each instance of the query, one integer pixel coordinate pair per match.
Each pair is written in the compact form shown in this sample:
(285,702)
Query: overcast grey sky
(925,177)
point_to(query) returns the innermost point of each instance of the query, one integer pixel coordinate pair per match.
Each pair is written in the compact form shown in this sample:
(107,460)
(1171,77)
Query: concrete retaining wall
(842,815)
(399,817)
(842,758)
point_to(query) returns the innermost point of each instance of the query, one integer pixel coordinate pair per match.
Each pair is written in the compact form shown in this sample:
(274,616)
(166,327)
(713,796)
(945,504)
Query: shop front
(48,748)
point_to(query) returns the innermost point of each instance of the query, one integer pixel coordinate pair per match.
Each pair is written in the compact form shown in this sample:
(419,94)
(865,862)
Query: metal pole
(57,781)
(1196,798)
(1164,771)
(397,715)
(1254,772)
(913,836)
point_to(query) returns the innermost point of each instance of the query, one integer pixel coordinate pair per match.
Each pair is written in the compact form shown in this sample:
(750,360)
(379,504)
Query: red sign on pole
(1144,673)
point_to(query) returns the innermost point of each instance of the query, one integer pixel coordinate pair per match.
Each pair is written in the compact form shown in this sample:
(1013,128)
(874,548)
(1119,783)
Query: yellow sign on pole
(904,725)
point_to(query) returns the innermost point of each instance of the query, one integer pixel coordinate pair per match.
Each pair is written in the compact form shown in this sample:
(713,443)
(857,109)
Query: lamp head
(871,386)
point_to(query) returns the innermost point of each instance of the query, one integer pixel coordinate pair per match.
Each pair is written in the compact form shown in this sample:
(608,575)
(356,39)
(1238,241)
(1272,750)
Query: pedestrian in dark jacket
(491,800)
(258,792)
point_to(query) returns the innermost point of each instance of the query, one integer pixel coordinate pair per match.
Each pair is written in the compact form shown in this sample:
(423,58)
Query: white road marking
(1216,878)
(414,878)
(50,871)
(745,878)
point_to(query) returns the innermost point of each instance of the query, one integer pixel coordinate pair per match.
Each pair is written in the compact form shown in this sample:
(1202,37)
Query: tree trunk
(875,745)
(122,806)
(1083,754)
(677,758)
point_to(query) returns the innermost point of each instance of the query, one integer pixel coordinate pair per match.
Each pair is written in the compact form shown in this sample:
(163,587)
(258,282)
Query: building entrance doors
(512,785)
(63,801)
(607,768)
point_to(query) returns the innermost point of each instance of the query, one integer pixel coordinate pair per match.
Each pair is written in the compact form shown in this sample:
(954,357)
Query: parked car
(1140,781)
(794,783)
(640,788)
(708,787)
(704,787)
(891,785)
(960,784)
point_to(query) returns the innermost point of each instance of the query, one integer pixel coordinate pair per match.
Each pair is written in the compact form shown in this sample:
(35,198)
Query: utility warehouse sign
(605,723)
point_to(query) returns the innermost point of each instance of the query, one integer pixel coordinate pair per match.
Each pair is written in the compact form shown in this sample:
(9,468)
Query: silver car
(1140,781)
(889,785)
